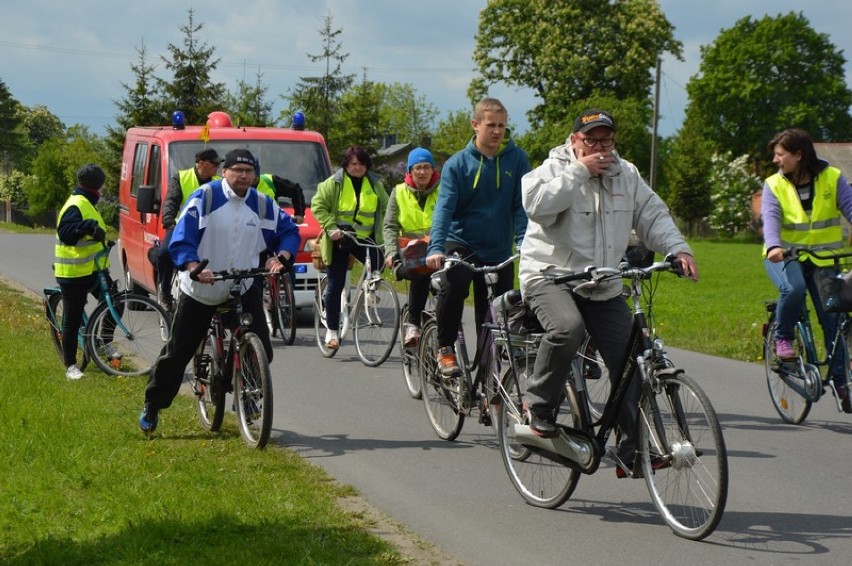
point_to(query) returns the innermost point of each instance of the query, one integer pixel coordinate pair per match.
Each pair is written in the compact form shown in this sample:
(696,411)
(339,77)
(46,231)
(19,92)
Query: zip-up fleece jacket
(479,205)
(228,231)
(576,220)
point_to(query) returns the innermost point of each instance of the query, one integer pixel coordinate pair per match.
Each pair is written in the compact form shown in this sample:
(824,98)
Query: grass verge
(81,485)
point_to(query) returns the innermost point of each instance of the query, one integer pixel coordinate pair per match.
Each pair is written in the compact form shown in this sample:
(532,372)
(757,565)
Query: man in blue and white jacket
(228,223)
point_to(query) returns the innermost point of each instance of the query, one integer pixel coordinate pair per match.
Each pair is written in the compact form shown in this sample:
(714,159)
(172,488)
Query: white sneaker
(73,372)
(412,335)
(332,340)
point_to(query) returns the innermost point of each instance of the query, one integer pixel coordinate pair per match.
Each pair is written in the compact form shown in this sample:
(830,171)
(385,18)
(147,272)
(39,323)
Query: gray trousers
(566,318)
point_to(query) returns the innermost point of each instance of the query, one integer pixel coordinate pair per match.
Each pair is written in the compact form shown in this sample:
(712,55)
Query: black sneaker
(845,402)
(541,426)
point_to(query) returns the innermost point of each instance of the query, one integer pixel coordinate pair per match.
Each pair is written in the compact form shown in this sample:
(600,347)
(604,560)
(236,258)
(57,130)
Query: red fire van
(152,155)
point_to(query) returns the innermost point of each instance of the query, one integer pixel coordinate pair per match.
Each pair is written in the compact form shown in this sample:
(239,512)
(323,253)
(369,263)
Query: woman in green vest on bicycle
(409,216)
(354,198)
(802,204)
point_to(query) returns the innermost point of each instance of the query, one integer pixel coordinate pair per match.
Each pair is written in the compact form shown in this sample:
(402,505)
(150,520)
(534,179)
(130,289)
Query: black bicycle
(680,449)
(796,384)
(241,369)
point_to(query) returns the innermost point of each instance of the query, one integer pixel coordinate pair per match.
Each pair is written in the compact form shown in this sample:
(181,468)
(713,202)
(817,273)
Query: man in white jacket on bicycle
(582,204)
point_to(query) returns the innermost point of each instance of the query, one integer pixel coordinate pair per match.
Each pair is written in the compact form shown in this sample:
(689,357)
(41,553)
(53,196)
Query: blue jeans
(793,279)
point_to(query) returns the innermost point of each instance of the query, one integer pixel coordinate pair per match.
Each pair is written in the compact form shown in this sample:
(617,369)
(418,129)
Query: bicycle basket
(836,293)
(413,253)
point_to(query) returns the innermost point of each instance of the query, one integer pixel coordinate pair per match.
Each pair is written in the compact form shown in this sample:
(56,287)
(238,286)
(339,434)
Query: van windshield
(303,162)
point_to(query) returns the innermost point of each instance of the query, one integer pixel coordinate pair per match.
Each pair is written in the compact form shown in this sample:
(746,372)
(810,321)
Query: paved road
(789,498)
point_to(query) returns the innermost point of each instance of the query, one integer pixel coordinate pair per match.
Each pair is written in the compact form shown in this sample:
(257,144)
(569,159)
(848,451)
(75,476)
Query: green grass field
(81,485)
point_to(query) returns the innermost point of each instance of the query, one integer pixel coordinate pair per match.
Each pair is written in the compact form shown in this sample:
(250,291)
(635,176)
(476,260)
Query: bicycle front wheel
(320,325)
(682,455)
(208,384)
(410,359)
(540,480)
(54,311)
(253,391)
(127,339)
(441,405)
(376,323)
(791,406)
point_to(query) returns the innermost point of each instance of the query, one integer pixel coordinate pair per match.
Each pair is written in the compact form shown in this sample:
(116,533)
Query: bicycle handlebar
(450,261)
(235,274)
(794,252)
(593,274)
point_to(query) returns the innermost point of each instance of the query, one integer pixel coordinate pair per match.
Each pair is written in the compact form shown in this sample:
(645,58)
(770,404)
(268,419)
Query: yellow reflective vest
(414,222)
(359,213)
(822,227)
(79,260)
(189,182)
(266,186)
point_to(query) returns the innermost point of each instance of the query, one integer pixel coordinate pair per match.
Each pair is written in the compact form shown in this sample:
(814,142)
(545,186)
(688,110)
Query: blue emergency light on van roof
(178,120)
(298,121)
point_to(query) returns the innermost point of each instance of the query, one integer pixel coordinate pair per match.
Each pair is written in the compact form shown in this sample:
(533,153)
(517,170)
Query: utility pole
(654,134)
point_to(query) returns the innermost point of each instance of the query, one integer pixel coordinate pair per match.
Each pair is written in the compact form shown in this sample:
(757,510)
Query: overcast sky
(73,56)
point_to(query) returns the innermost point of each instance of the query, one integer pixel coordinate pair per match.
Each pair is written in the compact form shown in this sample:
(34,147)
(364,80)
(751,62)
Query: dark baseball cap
(592,118)
(238,156)
(208,154)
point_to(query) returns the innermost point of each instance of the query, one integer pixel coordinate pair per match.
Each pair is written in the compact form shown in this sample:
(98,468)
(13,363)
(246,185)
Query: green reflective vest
(266,186)
(189,182)
(348,206)
(822,228)
(414,222)
(79,260)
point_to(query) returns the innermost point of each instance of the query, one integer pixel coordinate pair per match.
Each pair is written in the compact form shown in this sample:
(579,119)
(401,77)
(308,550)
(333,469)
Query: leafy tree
(687,189)
(249,107)
(405,113)
(359,116)
(762,76)
(39,124)
(10,136)
(12,189)
(192,89)
(732,185)
(568,51)
(55,169)
(451,134)
(319,97)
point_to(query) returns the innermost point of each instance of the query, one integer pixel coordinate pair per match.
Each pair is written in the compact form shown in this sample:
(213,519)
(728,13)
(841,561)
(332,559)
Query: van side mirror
(146,200)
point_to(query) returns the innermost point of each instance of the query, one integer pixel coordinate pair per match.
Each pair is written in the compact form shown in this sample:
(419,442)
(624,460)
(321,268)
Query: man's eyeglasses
(243,170)
(603,142)
(425,168)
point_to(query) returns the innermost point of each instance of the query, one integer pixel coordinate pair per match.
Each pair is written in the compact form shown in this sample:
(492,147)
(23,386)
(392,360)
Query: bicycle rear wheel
(130,345)
(410,359)
(286,314)
(376,323)
(209,385)
(441,406)
(791,406)
(540,480)
(54,311)
(319,319)
(253,391)
(681,454)
(589,363)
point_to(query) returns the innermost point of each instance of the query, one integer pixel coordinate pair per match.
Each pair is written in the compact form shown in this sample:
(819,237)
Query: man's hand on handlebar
(435,261)
(687,264)
(197,272)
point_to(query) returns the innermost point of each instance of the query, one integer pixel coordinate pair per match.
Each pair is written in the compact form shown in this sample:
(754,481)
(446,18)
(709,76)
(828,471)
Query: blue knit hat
(419,155)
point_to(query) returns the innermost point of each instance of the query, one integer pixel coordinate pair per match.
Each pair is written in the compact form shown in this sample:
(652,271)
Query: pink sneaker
(784,349)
